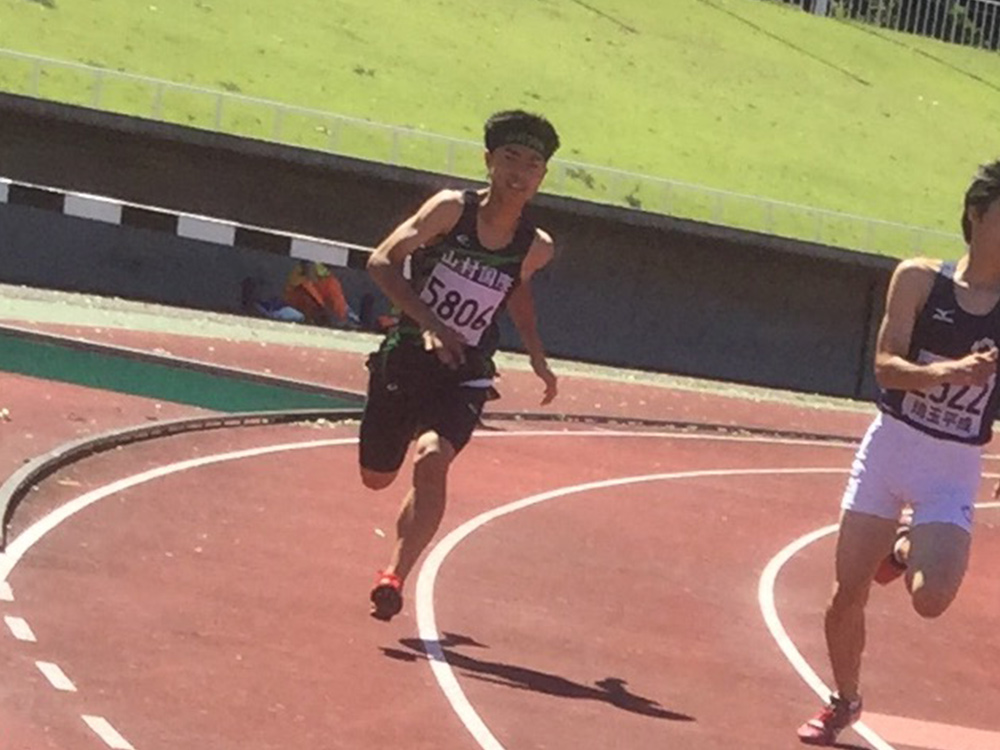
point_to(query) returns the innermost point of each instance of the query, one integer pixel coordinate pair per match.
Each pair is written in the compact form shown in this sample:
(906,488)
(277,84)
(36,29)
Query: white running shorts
(898,465)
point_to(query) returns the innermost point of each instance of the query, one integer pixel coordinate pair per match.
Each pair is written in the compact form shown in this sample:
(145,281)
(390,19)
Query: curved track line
(31,535)
(427,622)
(425,583)
(765,596)
(36,531)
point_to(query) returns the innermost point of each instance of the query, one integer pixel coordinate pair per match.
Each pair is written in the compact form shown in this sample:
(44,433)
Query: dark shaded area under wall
(628,288)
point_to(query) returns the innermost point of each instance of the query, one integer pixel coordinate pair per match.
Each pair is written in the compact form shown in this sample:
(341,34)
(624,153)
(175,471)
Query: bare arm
(909,289)
(435,218)
(521,307)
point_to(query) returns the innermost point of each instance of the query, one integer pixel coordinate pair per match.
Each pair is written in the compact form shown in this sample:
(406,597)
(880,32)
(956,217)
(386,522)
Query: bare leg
(937,555)
(863,541)
(423,507)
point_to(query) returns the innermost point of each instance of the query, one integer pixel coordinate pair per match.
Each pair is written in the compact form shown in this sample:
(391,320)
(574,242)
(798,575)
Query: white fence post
(279,113)
(98,83)
(36,79)
(158,101)
(595,183)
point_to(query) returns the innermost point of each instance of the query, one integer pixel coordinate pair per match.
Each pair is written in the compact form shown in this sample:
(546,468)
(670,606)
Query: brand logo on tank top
(463,240)
(944,316)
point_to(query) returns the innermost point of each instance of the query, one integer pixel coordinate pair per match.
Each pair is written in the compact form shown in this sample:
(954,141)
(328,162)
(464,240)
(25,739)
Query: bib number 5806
(450,307)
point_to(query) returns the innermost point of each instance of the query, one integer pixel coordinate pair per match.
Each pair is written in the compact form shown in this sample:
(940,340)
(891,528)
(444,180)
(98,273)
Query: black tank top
(466,285)
(943,330)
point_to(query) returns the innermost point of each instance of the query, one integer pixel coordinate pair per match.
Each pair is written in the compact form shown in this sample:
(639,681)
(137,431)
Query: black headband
(537,136)
(524,138)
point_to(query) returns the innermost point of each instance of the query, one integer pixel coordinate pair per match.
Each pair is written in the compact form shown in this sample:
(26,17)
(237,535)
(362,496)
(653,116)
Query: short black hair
(985,189)
(522,128)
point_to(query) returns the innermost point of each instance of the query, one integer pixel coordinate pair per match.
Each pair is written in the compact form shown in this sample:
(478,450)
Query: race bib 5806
(465,296)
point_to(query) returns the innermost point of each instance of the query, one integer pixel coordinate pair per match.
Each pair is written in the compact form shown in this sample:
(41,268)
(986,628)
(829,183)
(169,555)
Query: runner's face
(986,229)
(516,170)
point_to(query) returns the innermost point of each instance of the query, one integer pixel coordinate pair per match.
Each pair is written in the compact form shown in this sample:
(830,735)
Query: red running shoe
(387,597)
(892,567)
(836,716)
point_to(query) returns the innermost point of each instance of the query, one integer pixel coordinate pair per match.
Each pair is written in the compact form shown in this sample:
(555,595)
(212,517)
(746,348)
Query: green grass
(740,95)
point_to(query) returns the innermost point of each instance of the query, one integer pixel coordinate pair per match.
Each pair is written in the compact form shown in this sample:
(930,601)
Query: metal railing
(234,113)
(974,23)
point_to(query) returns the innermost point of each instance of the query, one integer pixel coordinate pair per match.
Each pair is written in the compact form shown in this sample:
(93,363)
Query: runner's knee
(433,454)
(376,480)
(931,602)
(848,597)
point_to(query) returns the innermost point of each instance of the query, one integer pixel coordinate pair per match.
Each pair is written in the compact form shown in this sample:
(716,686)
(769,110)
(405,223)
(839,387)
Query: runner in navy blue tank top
(472,255)
(909,503)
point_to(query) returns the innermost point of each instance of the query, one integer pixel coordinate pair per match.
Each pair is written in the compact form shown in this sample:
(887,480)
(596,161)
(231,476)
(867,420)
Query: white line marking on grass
(56,676)
(103,729)
(20,629)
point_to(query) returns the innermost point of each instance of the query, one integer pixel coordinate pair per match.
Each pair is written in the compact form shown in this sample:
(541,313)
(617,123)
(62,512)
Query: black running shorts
(409,393)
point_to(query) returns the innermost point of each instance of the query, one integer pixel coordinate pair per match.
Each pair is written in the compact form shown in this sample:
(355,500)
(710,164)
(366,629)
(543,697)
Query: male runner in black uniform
(936,363)
(472,254)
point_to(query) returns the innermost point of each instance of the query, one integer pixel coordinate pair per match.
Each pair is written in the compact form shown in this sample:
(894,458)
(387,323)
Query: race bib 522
(952,409)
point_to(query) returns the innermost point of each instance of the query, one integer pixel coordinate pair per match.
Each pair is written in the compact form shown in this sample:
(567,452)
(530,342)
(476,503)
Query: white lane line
(6,592)
(20,628)
(427,621)
(30,536)
(103,729)
(765,597)
(55,676)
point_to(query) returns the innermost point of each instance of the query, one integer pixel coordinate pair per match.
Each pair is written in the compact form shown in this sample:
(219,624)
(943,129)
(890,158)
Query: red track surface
(225,606)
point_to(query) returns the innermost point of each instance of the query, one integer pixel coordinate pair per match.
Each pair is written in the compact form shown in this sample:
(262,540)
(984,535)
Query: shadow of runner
(610,690)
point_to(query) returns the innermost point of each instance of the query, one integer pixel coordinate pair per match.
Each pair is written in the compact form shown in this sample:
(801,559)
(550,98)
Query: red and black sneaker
(892,567)
(387,597)
(836,716)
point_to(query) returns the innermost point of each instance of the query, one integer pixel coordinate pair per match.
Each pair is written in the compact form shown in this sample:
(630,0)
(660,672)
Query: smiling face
(515,171)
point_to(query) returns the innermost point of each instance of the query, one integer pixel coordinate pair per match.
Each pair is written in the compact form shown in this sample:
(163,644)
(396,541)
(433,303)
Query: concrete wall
(40,248)
(627,288)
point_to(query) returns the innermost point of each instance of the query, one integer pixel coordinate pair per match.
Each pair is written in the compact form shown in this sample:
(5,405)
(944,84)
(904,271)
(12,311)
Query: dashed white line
(20,628)
(31,535)
(6,592)
(56,676)
(103,729)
